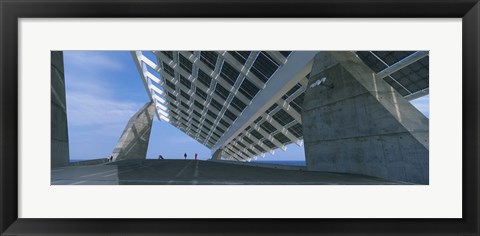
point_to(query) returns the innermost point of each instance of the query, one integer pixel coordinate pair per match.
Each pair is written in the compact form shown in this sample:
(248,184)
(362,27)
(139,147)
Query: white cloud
(87,85)
(90,97)
(94,109)
(92,59)
(96,113)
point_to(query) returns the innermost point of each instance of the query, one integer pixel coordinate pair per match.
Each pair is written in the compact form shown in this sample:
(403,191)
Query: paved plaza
(188,172)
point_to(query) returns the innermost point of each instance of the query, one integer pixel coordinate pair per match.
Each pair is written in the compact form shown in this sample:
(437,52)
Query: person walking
(185,155)
(196,156)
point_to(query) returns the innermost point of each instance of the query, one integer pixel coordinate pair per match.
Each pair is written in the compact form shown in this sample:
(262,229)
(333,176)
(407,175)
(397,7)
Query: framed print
(108,107)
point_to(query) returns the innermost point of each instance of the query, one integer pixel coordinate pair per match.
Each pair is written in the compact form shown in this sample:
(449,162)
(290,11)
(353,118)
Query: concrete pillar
(133,143)
(217,155)
(355,123)
(58,122)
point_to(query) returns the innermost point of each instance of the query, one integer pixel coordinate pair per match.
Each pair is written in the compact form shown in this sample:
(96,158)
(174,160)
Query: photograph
(273,117)
(158,117)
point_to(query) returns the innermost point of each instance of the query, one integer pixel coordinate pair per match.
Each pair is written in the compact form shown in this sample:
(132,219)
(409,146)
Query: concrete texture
(81,175)
(89,162)
(355,123)
(191,172)
(133,143)
(217,155)
(265,165)
(58,121)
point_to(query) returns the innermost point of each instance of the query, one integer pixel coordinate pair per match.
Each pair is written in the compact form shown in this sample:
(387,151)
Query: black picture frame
(12,10)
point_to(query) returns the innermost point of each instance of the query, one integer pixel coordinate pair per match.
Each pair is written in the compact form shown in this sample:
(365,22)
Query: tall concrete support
(58,122)
(217,155)
(356,123)
(133,143)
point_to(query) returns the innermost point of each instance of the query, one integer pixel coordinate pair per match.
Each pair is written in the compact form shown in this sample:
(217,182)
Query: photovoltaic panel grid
(204,93)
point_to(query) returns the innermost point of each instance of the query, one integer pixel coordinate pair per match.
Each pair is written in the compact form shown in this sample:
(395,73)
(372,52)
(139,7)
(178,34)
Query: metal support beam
(401,64)
(299,64)
(286,107)
(244,70)
(269,137)
(277,56)
(142,70)
(418,94)
(256,141)
(282,129)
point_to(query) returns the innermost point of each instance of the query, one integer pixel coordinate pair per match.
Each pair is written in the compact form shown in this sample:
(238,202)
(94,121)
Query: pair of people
(185,155)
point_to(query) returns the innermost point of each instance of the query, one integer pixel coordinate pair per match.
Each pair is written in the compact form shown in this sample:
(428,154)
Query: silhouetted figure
(185,155)
(160,157)
(111,158)
(196,156)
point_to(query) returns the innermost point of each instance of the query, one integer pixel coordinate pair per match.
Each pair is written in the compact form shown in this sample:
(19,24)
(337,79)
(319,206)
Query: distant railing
(266,165)
(89,162)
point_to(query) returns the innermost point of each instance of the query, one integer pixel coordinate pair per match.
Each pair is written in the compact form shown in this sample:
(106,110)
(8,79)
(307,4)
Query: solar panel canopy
(248,103)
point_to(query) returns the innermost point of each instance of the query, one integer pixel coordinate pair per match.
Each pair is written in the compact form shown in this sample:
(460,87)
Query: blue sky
(104,90)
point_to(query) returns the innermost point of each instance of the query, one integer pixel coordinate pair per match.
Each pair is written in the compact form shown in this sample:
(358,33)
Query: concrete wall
(89,162)
(217,155)
(58,120)
(265,165)
(133,143)
(355,123)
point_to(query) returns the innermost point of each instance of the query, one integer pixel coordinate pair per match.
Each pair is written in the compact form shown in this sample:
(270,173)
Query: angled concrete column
(133,143)
(58,121)
(355,123)
(217,155)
